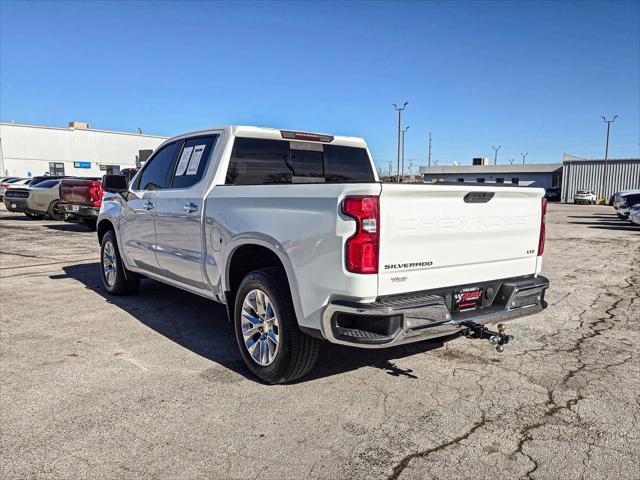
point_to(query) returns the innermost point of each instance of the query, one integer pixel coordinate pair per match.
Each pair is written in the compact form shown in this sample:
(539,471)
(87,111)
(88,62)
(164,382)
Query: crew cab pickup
(295,233)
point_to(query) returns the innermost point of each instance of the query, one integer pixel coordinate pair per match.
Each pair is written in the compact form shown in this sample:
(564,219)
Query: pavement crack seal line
(25,255)
(402,464)
(79,260)
(552,407)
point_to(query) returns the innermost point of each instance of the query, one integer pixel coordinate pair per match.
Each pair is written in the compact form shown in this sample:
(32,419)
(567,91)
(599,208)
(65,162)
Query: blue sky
(533,77)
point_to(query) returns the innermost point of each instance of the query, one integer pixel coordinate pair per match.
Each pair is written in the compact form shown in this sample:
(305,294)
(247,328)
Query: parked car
(294,232)
(618,196)
(585,196)
(35,201)
(14,181)
(81,198)
(627,201)
(552,194)
(634,214)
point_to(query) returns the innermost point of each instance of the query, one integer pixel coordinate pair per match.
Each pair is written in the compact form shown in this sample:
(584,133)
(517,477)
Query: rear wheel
(34,216)
(116,279)
(271,344)
(54,210)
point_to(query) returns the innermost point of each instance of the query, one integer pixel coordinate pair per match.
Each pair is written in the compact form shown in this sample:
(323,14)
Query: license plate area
(467,299)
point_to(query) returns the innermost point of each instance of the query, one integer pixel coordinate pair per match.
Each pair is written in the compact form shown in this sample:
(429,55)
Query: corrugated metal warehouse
(30,150)
(588,174)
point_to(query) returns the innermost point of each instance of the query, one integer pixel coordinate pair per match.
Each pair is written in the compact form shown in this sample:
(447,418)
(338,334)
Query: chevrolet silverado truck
(297,236)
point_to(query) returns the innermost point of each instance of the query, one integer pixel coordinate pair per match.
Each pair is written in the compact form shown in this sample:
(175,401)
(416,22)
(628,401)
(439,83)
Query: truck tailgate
(77,191)
(434,236)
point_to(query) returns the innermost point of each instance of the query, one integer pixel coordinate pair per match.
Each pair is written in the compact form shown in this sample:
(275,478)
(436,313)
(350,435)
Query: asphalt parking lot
(152,386)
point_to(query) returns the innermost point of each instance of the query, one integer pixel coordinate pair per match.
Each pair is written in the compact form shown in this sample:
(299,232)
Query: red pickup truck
(82,197)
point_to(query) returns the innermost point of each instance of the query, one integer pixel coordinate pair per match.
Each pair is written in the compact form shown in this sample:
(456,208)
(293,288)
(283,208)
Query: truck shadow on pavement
(201,326)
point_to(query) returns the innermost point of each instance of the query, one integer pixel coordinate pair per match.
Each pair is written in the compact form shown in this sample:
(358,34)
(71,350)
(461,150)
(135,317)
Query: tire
(116,279)
(294,353)
(54,212)
(34,216)
(90,223)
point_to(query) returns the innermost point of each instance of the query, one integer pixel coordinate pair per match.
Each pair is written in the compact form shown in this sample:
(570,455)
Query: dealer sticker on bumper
(467,299)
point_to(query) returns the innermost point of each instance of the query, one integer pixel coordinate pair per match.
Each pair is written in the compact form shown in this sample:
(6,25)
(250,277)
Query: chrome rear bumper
(402,319)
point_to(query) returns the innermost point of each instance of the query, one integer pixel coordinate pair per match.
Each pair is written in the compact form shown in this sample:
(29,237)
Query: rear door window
(193,161)
(257,161)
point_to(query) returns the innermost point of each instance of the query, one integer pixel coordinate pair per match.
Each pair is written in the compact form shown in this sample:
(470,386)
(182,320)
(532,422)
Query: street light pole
(495,157)
(524,155)
(399,110)
(429,149)
(402,174)
(606,155)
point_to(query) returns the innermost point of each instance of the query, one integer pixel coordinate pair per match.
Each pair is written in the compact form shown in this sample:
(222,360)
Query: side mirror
(115,183)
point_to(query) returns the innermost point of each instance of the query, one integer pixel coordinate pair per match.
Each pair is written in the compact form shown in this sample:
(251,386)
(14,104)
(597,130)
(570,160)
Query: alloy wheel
(109,264)
(260,327)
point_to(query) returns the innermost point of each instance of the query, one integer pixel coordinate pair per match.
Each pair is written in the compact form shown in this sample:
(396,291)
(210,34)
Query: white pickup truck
(295,233)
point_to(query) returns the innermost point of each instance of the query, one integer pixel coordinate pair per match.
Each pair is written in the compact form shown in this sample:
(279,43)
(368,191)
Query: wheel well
(246,259)
(103,227)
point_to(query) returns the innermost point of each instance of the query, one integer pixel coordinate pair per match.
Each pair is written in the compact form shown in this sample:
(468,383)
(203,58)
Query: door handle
(190,207)
(148,206)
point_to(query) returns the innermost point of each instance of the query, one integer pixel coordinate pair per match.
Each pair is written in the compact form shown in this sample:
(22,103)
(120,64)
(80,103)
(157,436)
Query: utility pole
(495,156)
(429,149)
(402,173)
(399,110)
(606,155)
(524,155)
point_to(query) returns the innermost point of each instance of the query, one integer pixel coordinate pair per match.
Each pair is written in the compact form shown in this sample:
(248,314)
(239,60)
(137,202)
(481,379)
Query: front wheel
(116,279)
(271,344)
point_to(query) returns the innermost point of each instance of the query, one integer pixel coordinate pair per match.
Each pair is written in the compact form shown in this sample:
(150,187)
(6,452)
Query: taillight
(543,227)
(362,247)
(95,193)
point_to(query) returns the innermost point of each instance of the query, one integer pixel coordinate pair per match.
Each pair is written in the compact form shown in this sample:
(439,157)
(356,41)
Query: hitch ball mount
(499,338)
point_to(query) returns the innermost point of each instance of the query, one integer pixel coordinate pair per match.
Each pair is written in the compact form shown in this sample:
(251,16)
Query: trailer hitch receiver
(499,338)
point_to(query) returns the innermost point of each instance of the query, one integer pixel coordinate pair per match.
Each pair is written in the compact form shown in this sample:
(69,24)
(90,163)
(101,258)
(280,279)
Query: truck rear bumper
(84,211)
(425,315)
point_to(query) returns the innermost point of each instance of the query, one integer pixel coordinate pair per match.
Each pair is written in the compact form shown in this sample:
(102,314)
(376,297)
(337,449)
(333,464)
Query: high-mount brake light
(311,137)
(543,227)
(362,247)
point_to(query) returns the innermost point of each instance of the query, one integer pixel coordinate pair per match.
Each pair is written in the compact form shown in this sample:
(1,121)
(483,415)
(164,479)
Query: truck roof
(277,134)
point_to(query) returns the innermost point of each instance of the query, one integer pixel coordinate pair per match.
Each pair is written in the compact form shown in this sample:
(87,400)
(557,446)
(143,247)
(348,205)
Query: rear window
(257,161)
(48,184)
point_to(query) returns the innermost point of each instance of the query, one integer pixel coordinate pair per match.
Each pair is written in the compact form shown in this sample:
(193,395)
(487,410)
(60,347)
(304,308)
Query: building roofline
(135,134)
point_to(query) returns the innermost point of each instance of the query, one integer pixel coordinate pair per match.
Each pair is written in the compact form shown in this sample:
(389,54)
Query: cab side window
(159,169)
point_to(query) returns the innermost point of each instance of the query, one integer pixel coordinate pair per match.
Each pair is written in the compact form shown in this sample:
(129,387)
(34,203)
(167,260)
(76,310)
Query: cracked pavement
(152,386)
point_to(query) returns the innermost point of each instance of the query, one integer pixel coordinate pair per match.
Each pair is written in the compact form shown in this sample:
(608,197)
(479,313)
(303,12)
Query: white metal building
(543,175)
(31,150)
